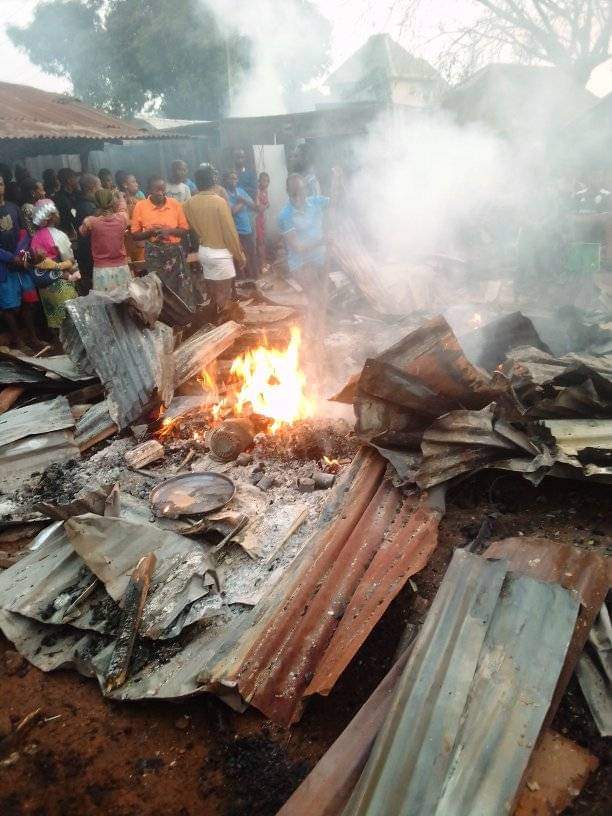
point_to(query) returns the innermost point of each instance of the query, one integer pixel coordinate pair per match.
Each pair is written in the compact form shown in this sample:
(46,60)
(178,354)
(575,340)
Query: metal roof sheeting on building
(29,113)
(473,698)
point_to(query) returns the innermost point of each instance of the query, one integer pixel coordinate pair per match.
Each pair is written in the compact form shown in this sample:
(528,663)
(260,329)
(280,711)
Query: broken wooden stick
(9,396)
(133,605)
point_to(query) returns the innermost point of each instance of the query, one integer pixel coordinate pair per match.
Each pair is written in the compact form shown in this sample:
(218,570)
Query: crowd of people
(72,232)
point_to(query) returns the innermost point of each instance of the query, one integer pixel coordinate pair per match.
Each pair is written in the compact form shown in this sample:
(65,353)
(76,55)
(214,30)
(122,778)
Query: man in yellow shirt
(210,218)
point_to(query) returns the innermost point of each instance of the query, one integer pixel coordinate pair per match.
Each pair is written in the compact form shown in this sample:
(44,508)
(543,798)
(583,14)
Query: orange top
(148,215)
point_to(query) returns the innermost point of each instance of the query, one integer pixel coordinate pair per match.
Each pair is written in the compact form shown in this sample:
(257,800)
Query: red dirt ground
(201,759)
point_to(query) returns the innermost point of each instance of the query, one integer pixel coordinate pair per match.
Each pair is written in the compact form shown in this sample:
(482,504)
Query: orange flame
(272,383)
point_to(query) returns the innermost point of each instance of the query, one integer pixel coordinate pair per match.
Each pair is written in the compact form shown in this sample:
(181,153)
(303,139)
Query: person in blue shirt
(247,179)
(301,225)
(301,222)
(241,203)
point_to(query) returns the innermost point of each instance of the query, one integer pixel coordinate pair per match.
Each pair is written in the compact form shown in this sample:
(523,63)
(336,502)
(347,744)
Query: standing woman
(160,222)
(31,192)
(18,296)
(55,245)
(107,230)
(132,195)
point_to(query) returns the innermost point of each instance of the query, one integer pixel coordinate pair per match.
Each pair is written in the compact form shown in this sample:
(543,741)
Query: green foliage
(123,55)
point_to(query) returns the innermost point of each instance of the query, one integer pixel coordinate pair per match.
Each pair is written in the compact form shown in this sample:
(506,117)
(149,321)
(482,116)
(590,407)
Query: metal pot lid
(192,494)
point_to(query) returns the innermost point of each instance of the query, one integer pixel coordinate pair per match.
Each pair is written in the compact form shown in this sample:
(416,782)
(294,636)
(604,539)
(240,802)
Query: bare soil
(86,755)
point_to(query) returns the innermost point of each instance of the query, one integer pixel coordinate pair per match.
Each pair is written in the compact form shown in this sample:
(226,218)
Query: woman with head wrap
(107,230)
(56,275)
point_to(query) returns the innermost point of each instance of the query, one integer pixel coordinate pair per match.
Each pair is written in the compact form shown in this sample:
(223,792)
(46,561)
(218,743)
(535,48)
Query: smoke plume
(284,39)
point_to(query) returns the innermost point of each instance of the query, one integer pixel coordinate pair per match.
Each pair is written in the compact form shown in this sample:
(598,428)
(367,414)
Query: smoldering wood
(133,605)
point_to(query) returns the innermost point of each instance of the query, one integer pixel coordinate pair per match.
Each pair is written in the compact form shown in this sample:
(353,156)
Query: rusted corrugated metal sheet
(407,544)
(465,441)
(472,698)
(276,657)
(29,113)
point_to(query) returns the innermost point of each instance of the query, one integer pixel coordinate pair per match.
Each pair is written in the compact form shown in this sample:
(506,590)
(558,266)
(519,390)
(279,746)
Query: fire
(476,320)
(271,383)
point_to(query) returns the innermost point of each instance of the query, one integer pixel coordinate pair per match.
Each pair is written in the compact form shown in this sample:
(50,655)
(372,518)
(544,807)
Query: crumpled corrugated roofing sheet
(370,541)
(29,113)
(473,697)
(354,567)
(134,363)
(33,437)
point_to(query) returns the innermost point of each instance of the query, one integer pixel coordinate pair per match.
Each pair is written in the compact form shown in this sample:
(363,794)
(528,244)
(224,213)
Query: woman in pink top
(107,231)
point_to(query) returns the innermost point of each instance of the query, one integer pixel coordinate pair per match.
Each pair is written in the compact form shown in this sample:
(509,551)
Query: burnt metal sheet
(94,426)
(366,554)
(201,349)
(432,355)
(488,345)
(35,419)
(472,699)
(585,572)
(33,437)
(570,386)
(184,572)
(594,672)
(59,366)
(282,639)
(29,113)
(46,583)
(328,786)
(32,455)
(406,547)
(462,442)
(575,435)
(134,363)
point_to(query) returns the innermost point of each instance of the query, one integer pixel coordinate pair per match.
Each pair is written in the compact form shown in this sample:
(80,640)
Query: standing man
(66,200)
(86,206)
(301,225)
(177,188)
(246,178)
(220,250)
(240,203)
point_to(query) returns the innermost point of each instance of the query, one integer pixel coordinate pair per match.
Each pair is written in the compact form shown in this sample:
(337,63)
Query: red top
(107,238)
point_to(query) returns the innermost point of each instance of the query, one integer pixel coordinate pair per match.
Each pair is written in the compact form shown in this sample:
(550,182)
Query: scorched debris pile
(199,549)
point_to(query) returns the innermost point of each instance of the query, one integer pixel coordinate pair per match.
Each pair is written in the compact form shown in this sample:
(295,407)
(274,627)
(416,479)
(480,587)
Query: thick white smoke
(282,36)
(421,181)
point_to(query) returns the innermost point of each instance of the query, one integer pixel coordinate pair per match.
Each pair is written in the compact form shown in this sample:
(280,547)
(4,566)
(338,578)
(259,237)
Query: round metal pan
(192,494)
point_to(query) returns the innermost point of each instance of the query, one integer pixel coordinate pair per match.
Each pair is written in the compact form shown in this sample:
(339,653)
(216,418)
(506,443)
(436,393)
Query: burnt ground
(198,758)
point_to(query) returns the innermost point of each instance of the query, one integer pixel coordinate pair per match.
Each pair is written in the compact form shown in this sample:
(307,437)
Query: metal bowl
(192,494)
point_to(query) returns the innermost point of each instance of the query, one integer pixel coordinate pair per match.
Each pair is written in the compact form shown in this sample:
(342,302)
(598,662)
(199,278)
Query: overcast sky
(353,21)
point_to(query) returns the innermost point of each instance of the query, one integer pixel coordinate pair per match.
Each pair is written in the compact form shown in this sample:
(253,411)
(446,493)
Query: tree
(125,55)
(574,35)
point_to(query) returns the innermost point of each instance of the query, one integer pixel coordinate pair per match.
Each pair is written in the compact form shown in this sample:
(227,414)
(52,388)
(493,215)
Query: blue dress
(16,285)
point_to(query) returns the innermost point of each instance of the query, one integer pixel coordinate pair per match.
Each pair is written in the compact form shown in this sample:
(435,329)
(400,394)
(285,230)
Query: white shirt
(180,192)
